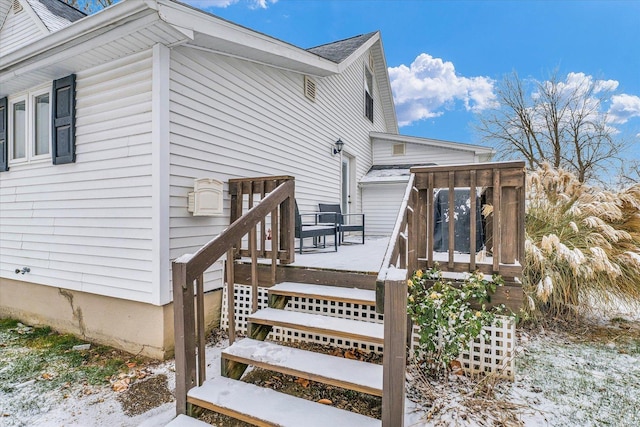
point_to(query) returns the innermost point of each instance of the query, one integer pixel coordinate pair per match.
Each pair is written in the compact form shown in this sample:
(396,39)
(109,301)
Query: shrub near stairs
(448,316)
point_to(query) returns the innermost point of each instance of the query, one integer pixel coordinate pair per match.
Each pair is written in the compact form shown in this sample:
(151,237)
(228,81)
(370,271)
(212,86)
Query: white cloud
(431,85)
(624,107)
(262,4)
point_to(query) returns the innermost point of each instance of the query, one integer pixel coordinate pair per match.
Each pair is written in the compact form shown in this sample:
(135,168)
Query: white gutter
(109,17)
(186,17)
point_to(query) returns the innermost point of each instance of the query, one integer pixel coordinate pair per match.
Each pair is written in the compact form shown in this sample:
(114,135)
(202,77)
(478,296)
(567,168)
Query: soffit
(133,34)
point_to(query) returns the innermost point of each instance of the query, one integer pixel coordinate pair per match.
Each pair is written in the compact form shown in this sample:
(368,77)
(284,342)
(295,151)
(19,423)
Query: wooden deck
(259,247)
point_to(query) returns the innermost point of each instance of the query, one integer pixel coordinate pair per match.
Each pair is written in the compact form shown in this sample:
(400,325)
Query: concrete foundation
(136,327)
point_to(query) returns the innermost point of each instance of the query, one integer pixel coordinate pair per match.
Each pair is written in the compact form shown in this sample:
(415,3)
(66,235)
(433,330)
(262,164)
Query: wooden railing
(411,246)
(501,186)
(391,299)
(274,208)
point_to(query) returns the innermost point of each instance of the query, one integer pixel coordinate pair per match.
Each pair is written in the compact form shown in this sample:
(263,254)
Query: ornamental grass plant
(582,245)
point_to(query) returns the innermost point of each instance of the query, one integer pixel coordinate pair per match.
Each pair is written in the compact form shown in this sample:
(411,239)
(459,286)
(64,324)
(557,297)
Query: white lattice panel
(490,353)
(305,305)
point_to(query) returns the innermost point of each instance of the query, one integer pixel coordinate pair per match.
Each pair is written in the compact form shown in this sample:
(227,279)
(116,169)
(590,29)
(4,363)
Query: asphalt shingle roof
(62,10)
(340,50)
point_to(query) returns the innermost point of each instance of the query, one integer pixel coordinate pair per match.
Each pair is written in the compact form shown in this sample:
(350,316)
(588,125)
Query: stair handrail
(190,268)
(391,299)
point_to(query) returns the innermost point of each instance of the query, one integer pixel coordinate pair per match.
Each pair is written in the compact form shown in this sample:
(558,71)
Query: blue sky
(445,58)
(460,49)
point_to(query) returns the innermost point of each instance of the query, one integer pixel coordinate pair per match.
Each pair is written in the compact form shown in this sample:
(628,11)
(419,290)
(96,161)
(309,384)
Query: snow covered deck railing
(270,201)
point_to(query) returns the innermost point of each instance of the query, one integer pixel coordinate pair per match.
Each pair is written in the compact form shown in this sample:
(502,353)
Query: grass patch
(591,379)
(48,358)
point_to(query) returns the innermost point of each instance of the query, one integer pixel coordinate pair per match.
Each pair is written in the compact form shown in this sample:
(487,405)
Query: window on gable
(368,93)
(30,126)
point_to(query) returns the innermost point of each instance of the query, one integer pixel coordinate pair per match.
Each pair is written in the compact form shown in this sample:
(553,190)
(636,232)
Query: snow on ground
(559,382)
(565,382)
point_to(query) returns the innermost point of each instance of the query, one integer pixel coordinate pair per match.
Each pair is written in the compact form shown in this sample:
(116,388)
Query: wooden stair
(265,407)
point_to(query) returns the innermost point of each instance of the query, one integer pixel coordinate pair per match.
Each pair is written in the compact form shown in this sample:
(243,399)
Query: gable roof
(52,14)
(344,52)
(55,14)
(340,50)
(132,26)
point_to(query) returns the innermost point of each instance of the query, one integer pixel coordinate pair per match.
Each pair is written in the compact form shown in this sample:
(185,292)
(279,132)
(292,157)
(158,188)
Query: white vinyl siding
(87,225)
(416,154)
(19,29)
(236,119)
(381,203)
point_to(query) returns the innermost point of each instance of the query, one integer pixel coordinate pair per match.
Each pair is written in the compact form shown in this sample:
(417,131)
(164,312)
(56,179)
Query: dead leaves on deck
(357,354)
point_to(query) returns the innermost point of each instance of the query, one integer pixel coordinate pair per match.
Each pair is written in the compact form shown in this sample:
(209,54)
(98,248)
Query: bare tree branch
(554,121)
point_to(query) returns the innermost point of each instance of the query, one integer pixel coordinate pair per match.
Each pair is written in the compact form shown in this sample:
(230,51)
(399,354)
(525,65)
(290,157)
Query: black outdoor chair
(346,222)
(311,226)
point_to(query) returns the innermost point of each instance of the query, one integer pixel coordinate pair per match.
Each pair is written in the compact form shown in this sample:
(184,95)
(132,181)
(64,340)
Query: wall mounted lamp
(338,146)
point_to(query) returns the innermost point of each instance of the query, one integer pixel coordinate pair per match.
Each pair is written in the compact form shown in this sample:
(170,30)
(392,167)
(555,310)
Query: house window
(42,125)
(398,149)
(368,93)
(19,134)
(30,122)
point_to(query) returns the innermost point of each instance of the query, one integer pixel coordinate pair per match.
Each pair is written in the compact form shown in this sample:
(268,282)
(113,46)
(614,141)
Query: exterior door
(346,196)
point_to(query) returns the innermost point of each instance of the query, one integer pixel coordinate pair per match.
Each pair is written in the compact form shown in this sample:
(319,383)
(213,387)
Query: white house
(105,122)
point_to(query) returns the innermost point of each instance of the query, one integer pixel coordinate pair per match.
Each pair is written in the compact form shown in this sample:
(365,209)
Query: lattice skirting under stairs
(491,355)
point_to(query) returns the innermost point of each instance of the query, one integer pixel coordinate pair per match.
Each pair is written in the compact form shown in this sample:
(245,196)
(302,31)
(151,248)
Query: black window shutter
(63,120)
(4,133)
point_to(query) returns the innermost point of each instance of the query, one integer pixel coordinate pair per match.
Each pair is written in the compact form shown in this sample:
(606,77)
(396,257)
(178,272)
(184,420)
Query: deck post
(395,354)
(184,330)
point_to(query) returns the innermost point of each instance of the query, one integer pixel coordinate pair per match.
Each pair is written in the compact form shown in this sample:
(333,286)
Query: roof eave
(227,38)
(107,17)
(477,149)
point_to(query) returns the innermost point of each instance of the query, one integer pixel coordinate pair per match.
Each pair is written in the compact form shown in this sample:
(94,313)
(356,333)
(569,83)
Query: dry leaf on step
(325,402)
(351,354)
(121,385)
(303,382)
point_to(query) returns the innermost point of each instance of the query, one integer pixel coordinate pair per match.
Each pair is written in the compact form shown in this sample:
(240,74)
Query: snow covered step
(315,323)
(325,292)
(266,407)
(337,371)
(185,421)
